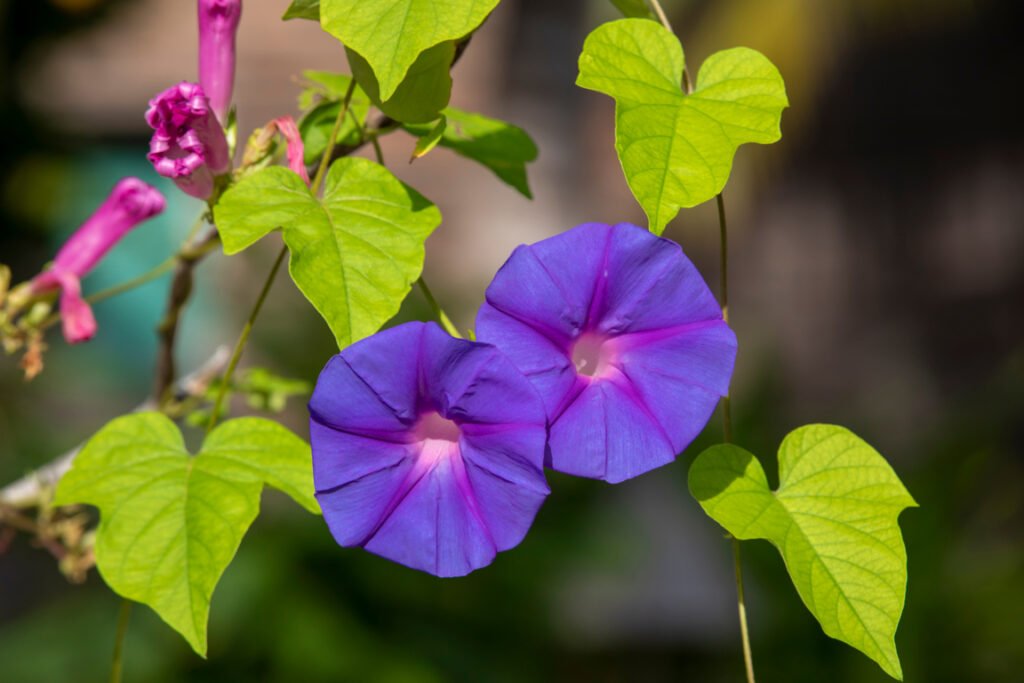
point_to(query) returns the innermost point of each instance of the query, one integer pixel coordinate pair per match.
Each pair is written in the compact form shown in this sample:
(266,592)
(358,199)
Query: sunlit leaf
(503,148)
(170,523)
(354,253)
(833,519)
(677,150)
(391,34)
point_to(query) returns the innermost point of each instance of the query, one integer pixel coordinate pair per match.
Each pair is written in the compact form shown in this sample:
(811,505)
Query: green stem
(656,6)
(321,169)
(243,338)
(741,606)
(724,269)
(439,313)
(122,629)
(377,151)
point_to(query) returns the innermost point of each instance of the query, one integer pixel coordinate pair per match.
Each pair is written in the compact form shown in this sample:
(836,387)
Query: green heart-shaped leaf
(391,34)
(676,150)
(833,519)
(170,523)
(354,253)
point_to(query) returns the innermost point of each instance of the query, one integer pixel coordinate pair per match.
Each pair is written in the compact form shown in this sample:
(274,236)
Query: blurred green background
(877,281)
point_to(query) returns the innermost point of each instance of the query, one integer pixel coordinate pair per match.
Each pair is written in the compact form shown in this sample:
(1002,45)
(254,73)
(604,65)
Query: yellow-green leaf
(170,523)
(355,252)
(677,149)
(833,519)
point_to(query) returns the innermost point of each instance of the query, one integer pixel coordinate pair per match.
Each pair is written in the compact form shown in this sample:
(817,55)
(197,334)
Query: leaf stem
(122,629)
(321,169)
(741,606)
(439,313)
(243,338)
(656,6)
(724,296)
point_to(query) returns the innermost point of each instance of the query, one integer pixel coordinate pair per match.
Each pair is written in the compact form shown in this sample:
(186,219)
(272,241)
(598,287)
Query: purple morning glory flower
(130,202)
(218,25)
(427,450)
(188,145)
(622,338)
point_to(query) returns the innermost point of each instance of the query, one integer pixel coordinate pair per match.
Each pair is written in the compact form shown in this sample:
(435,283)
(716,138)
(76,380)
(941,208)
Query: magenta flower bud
(188,145)
(130,203)
(218,25)
(296,150)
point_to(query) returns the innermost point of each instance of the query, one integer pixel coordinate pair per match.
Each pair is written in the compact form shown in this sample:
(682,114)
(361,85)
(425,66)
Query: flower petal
(548,285)
(679,374)
(475,383)
(77,320)
(343,458)
(380,399)
(651,284)
(545,364)
(355,510)
(506,473)
(607,433)
(436,527)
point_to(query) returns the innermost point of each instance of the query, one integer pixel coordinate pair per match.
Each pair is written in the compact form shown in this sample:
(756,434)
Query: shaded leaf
(170,523)
(636,9)
(324,85)
(302,9)
(354,253)
(317,124)
(676,150)
(424,91)
(503,148)
(833,519)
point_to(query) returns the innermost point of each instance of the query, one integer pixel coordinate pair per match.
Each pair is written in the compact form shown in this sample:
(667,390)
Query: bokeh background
(877,281)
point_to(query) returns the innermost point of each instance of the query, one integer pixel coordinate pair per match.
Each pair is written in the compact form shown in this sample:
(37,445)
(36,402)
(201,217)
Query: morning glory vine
(600,352)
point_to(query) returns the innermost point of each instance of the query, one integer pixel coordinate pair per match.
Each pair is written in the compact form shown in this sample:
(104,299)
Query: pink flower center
(591,355)
(433,426)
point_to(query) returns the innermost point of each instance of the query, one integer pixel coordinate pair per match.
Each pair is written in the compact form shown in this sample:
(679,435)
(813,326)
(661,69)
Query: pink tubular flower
(188,145)
(218,25)
(130,202)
